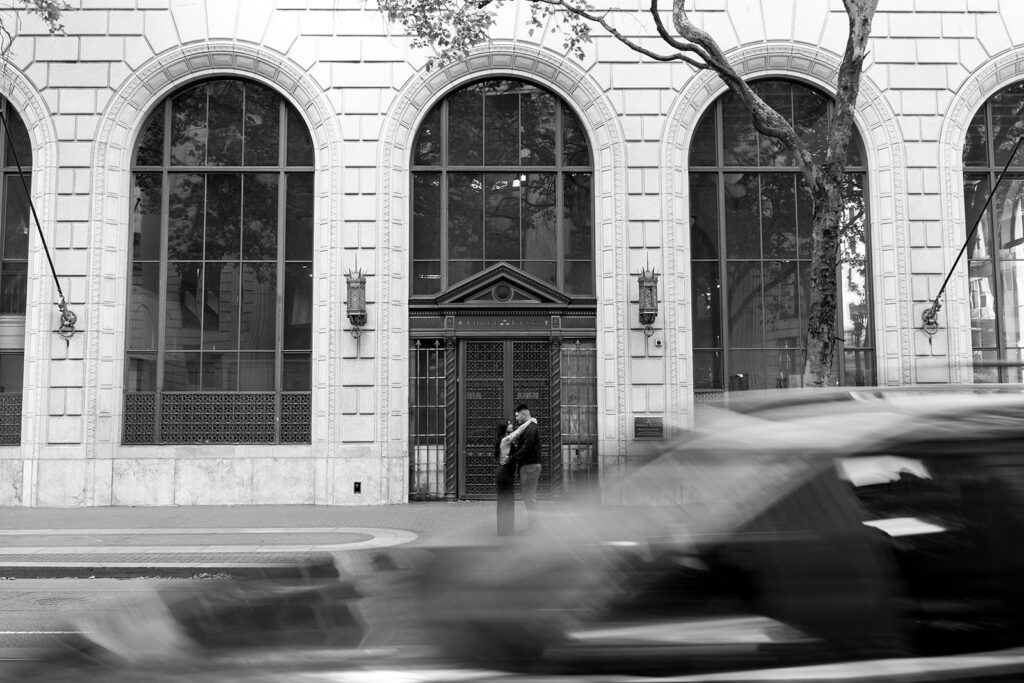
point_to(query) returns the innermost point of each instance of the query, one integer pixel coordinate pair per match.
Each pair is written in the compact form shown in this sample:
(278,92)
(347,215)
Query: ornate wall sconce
(648,281)
(355,305)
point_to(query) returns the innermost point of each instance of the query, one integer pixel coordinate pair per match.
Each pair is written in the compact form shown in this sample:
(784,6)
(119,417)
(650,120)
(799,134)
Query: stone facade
(363,92)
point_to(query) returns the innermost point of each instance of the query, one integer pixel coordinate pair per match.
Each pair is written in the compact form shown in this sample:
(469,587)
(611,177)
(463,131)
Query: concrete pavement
(185,541)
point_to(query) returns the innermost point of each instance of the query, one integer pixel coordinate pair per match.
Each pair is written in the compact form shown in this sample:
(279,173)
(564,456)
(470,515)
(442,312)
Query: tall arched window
(750,235)
(501,172)
(219,312)
(996,251)
(16,224)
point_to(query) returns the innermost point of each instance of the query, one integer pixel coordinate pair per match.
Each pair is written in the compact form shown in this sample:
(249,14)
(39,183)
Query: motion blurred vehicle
(868,534)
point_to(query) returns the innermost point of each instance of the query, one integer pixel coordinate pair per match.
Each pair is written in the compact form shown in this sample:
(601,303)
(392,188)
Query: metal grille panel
(579,416)
(484,401)
(229,417)
(531,384)
(427,419)
(10,418)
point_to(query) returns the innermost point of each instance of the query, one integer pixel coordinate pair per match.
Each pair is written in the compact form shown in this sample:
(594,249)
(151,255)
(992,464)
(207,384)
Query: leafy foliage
(50,11)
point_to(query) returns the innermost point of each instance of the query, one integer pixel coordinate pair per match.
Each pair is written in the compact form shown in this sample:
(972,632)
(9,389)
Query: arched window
(219,328)
(16,224)
(996,251)
(501,172)
(750,235)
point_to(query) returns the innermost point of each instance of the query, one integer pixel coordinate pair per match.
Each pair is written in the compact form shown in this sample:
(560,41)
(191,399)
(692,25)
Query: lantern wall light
(648,282)
(355,303)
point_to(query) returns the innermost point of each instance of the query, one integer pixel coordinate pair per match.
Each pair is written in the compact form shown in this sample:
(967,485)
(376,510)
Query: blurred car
(869,534)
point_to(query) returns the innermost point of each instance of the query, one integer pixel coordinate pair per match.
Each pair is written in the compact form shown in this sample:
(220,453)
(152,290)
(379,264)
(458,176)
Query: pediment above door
(502,285)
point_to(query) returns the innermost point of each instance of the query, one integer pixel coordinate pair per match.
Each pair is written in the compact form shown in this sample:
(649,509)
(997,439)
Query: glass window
(220,303)
(750,239)
(502,174)
(995,251)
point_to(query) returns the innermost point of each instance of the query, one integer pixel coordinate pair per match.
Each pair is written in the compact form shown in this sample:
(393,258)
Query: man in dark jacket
(525,456)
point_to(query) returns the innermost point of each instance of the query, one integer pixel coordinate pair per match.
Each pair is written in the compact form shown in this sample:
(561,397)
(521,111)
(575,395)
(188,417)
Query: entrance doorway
(497,376)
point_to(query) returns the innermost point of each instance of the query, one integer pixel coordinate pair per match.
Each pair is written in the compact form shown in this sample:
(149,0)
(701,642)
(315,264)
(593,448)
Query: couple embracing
(517,449)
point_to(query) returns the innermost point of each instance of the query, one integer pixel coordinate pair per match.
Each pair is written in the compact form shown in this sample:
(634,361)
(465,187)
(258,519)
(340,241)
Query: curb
(297,570)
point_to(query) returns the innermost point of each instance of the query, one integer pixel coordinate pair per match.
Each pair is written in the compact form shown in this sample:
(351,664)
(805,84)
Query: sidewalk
(240,540)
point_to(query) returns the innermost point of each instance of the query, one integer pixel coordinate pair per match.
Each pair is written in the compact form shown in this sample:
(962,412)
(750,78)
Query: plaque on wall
(651,428)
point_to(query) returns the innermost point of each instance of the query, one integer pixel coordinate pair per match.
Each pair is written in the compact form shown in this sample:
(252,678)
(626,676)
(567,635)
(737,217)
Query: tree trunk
(821,318)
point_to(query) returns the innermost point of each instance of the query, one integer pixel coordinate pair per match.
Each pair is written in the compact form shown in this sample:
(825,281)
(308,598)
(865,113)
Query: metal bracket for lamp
(647,280)
(355,301)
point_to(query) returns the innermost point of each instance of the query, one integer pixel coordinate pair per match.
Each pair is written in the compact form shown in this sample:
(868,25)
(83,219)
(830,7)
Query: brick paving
(70,541)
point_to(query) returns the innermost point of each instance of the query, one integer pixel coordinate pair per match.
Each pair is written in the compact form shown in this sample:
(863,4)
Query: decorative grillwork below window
(184,418)
(10,419)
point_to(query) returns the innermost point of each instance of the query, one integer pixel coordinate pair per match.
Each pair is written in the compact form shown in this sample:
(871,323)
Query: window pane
(220,306)
(184,298)
(742,216)
(188,127)
(298,306)
(502,193)
(707,370)
(784,328)
(747,370)
(185,216)
(810,111)
(784,368)
(259,216)
(778,215)
(426,277)
(12,368)
(578,221)
(975,193)
(702,147)
(16,219)
(141,369)
(295,372)
(543,270)
(745,308)
(300,144)
(854,151)
(779,96)
(460,270)
(539,239)
(13,287)
(466,115)
(220,372)
(146,217)
(575,150)
(538,128)
(258,318)
(976,144)
(426,215)
(225,148)
(21,151)
(298,226)
(427,149)
(255,372)
(860,369)
(263,126)
(151,144)
(1007,112)
(1012,309)
(181,372)
(982,293)
(501,125)
(704,215)
(579,277)
(223,216)
(706,306)
(144,306)
(739,138)
(1008,215)
(465,216)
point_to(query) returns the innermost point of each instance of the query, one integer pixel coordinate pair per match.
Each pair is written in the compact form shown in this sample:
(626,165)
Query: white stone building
(206,172)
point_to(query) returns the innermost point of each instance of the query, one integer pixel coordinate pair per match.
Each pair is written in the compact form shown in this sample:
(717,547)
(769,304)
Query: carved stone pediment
(502,284)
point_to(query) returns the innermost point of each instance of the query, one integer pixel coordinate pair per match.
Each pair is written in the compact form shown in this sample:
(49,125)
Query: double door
(496,376)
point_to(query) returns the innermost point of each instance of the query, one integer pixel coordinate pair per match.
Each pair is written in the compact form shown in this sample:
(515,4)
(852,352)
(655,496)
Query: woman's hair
(501,432)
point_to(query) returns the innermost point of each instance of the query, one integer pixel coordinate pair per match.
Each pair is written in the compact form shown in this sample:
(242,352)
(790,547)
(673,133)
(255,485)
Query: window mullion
(282,187)
(161,342)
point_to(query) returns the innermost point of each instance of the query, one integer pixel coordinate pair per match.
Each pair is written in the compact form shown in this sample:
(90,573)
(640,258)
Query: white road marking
(174,531)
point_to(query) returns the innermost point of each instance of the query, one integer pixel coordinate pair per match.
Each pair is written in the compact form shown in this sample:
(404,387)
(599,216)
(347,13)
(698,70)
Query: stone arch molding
(576,87)
(886,190)
(40,317)
(120,126)
(992,76)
